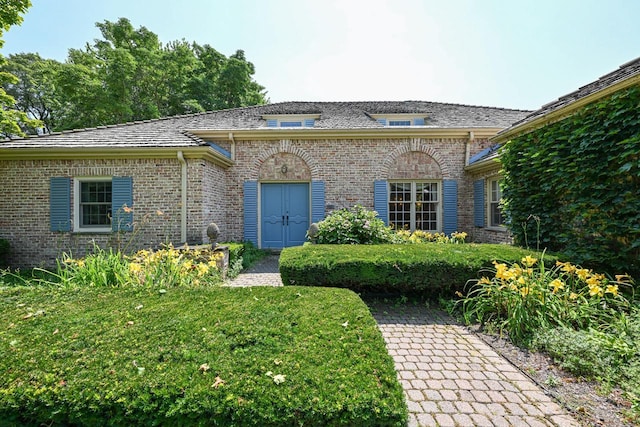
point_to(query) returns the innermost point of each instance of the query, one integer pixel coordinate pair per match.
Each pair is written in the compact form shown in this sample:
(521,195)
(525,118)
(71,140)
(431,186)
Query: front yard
(193,356)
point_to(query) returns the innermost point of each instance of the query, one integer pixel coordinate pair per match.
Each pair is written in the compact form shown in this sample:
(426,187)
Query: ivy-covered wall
(575,185)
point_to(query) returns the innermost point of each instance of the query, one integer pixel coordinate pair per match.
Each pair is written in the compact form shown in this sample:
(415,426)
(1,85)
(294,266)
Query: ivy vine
(580,179)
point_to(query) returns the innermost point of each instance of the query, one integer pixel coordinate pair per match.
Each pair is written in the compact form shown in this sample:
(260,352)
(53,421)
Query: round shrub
(353,226)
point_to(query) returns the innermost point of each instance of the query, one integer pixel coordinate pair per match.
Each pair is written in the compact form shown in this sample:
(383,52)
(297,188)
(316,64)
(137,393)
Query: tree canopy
(129,75)
(12,119)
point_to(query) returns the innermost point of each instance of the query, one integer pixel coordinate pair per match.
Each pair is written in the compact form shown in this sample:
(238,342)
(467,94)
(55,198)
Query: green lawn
(209,356)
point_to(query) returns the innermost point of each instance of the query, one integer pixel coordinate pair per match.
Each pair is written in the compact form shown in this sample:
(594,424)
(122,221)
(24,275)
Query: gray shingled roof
(624,72)
(171,132)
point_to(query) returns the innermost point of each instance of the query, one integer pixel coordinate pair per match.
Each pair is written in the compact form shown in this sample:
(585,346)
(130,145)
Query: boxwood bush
(215,356)
(430,269)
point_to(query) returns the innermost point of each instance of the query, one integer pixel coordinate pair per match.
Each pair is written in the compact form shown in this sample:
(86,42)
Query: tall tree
(12,120)
(34,91)
(129,75)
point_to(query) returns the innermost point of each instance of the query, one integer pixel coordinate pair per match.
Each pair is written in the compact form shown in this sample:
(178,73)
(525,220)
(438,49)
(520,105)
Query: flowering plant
(520,298)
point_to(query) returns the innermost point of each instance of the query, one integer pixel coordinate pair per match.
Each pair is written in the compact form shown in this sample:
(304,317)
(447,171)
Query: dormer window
(291,120)
(399,120)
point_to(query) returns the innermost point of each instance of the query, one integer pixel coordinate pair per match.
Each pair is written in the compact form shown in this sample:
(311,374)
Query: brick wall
(349,167)
(24,205)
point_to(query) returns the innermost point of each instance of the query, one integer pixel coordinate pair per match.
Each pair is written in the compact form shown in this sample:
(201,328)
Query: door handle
(287,219)
(283,220)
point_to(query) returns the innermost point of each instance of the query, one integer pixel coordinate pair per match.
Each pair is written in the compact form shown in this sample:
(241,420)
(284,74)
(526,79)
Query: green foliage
(242,256)
(11,14)
(4,251)
(353,226)
(526,296)
(215,356)
(610,355)
(419,236)
(12,120)
(164,268)
(34,89)
(429,269)
(130,75)
(581,178)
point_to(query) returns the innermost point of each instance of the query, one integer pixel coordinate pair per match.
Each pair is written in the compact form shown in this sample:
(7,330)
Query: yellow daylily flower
(582,273)
(612,289)
(529,261)
(557,285)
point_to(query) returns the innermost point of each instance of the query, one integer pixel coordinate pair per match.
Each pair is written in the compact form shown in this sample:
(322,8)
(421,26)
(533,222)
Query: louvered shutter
(450,206)
(478,203)
(121,199)
(60,204)
(317,201)
(380,200)
(250,203)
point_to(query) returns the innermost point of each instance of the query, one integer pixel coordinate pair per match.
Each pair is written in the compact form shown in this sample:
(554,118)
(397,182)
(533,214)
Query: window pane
(399,122)
(494,204)
(95,204)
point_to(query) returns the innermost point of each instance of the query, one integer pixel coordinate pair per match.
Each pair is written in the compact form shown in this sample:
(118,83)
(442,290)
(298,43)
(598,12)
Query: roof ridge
(399,101)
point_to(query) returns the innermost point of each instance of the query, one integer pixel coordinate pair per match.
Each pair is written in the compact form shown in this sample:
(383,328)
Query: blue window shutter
(418,121)
(308,123)
(380,200)
(317,201)
(450,206)
(478,203)
(383,122)
(272,123)
(121,196)
(251,211)
(60,204)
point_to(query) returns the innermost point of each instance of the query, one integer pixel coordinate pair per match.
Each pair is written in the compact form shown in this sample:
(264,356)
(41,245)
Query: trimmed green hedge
(431,269)
(215,356)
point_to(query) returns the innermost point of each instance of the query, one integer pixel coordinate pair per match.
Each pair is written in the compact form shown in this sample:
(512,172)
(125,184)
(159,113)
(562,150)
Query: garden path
(449,375)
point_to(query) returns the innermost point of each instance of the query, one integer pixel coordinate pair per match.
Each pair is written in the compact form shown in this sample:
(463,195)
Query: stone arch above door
(284,167)
(299,165)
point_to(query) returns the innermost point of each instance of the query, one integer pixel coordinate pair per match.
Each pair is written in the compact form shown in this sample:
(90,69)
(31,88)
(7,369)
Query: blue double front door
(284,214)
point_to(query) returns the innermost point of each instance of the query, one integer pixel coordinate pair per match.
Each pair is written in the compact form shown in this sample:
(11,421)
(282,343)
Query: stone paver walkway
(263,273)
(449,375)
(453,378)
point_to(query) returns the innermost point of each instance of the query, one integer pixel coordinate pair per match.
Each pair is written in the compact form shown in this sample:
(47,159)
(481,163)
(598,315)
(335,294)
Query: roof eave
(484,165)
(113,153)
(361,133)
(564,111)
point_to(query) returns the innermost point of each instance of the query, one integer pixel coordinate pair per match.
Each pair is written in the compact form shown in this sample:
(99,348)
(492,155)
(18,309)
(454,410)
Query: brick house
(261,173)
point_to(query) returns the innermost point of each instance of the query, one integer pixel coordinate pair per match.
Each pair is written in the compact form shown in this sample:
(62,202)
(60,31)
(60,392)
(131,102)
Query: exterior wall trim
(93,153)
(270,134)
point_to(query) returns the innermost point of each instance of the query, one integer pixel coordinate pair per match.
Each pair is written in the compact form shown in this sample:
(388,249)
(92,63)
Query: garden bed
(268,356)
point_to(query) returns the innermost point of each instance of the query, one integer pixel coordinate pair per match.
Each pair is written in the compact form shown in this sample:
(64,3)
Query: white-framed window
(93,204)
(291,120)
(290,124)
(494,206)
(399,123)
(415,205)
(399,120)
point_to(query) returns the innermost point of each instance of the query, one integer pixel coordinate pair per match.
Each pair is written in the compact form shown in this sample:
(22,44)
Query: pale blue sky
(504,53)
